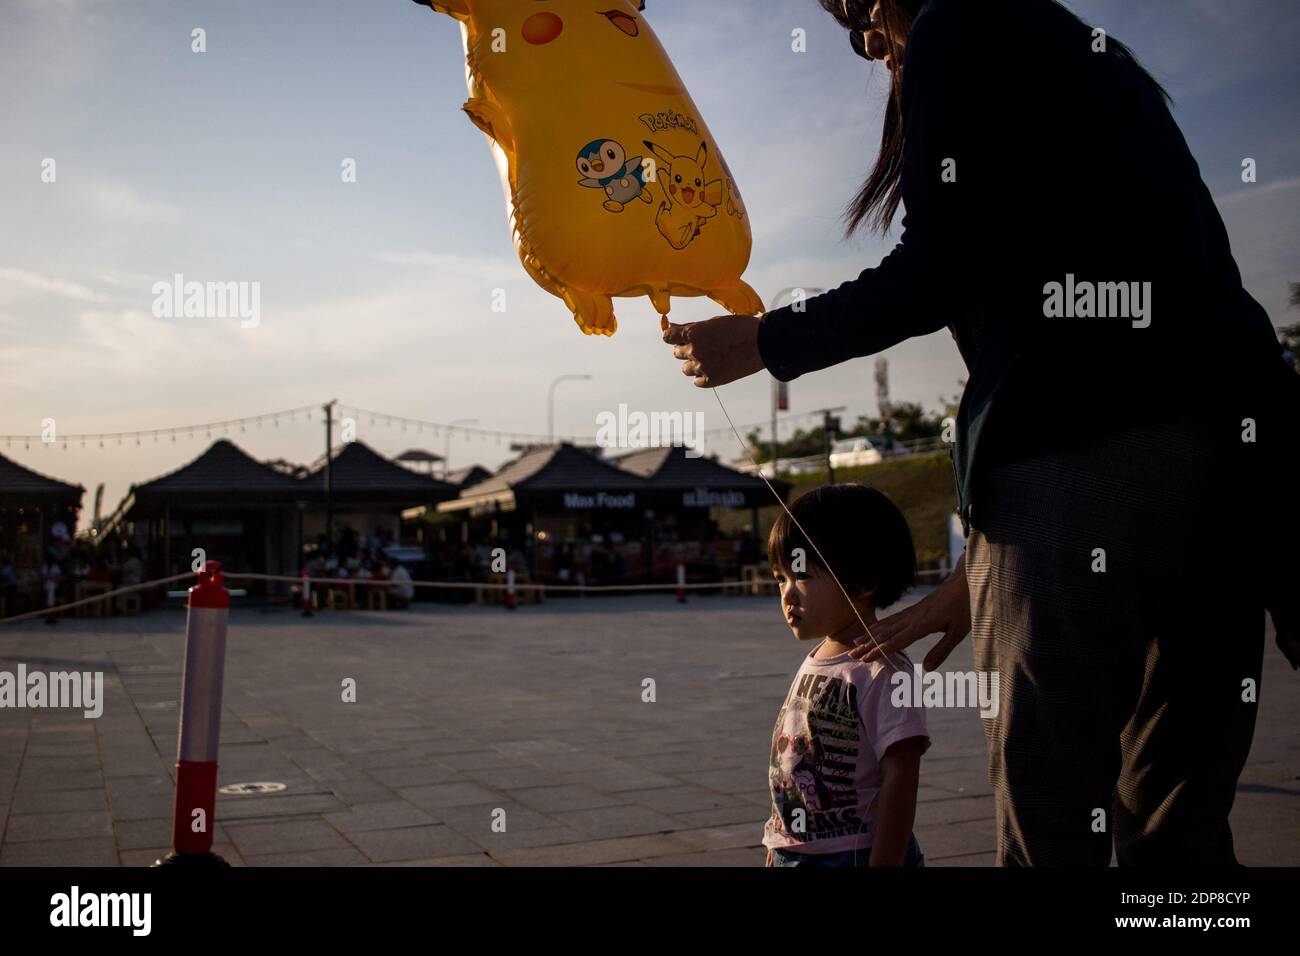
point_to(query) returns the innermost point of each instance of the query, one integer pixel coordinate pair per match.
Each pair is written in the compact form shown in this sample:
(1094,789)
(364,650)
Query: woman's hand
(946,612)
(717,351)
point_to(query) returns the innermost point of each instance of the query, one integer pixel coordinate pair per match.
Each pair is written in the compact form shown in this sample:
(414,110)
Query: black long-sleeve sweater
(1067,163)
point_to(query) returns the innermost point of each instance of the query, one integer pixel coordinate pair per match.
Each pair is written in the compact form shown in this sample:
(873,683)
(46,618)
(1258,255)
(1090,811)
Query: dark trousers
(1125,712)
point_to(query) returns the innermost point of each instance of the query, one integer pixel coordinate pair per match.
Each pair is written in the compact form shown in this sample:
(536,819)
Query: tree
(286,467)
(1289,335)
(908,421)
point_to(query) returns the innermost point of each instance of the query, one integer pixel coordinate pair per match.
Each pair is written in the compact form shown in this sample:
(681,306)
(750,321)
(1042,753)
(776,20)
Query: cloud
(1256,190)
(491,268)
(122,205)
(120,279)
(13,283)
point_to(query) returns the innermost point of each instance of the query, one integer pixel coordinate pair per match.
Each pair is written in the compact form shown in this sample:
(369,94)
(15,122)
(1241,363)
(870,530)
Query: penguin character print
(604,165)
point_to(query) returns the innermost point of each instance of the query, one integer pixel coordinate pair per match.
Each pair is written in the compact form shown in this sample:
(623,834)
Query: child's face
(812,603)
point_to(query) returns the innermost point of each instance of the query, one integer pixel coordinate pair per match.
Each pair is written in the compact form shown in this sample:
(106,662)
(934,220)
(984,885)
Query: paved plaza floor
(464,711)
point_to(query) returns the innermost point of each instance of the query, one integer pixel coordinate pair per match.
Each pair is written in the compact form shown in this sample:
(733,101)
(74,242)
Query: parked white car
(855,452)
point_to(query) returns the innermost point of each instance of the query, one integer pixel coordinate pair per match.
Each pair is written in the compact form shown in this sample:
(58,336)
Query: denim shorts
(912,856)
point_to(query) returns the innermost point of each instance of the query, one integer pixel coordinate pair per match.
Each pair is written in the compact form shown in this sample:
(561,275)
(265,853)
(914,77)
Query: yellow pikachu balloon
(615,185)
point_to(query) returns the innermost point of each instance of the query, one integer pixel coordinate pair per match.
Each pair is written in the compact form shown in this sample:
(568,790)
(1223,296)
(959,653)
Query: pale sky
(225,166)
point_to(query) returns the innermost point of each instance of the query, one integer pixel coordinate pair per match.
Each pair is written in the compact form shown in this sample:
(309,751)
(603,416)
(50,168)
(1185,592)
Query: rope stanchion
(579,589)
(194,809)
(492,586)
(306,593)
(107,595)
(50,587)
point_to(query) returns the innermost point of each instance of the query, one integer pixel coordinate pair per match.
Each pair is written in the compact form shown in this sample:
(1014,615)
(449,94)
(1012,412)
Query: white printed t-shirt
(830,735)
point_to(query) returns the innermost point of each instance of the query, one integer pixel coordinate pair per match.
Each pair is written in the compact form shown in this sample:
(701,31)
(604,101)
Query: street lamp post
(329,473)
(794,295)
(550,420)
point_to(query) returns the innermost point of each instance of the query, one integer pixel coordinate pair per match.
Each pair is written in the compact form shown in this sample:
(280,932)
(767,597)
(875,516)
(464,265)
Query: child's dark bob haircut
(859,531)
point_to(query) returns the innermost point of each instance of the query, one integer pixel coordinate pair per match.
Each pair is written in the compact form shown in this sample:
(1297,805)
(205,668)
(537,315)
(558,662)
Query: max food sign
(578,502)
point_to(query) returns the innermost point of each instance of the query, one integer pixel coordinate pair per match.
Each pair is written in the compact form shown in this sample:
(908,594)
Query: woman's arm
(900,770)
(917,288)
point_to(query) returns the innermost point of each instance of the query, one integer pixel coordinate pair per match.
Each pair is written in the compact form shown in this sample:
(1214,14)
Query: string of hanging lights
(50,437)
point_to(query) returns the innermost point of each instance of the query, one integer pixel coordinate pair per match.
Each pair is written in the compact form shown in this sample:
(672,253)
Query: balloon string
(717,393)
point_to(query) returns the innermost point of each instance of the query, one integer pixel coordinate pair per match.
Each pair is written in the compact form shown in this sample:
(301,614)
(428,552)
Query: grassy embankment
(921,485)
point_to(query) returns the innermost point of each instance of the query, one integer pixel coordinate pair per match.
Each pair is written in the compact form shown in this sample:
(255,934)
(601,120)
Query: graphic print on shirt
(814,755)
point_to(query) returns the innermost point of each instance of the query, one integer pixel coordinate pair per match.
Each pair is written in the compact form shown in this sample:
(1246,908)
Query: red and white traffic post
(195,805)
(511,600)
(681,582)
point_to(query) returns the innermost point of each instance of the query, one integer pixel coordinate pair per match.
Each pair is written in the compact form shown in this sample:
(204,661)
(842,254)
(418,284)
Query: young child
(845,761)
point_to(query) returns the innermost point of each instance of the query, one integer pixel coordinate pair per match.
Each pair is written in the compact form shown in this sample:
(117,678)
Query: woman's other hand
(946,612)
(718,350)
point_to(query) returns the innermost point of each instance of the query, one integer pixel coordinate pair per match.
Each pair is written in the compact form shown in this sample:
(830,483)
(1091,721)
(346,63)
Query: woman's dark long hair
(877,201)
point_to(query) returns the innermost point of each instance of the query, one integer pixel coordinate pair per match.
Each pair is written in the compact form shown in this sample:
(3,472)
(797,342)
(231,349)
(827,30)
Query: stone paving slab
(72,824)
(464,712)
(411,843)
(287,836)
(469,859)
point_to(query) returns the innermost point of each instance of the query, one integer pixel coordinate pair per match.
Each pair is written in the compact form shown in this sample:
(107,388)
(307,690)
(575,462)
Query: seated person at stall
(401,592)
